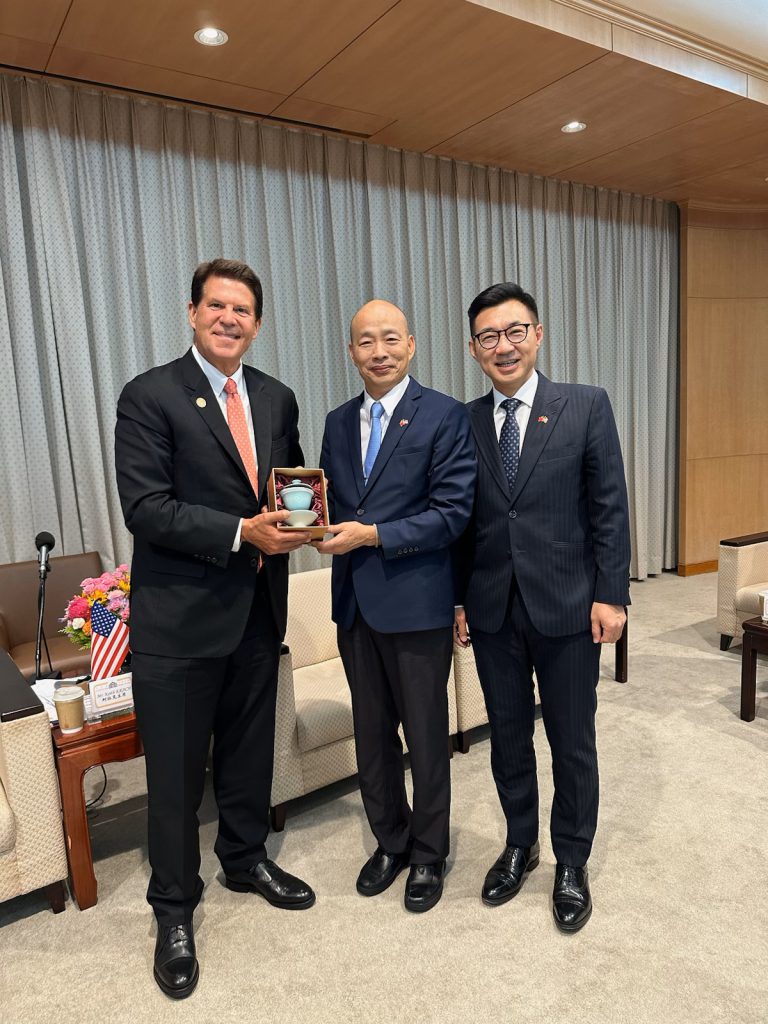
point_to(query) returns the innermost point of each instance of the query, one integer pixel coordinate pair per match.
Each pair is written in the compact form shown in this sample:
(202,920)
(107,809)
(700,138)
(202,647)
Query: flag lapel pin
(543,419)
(403,423)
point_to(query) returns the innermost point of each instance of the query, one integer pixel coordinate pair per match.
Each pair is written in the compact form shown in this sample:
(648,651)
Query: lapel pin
(543,419)
(200,403)
(403,423)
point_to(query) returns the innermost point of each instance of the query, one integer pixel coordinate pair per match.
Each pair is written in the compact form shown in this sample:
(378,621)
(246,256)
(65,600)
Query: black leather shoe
(506,877)
(424,886)
(380,871)
(176,967)
(571,900)
(275,885)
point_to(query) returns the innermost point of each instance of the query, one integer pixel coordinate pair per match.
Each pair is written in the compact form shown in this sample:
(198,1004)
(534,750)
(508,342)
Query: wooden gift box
(280,476)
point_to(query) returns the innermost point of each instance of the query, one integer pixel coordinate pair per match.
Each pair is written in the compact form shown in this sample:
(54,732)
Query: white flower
(77,623)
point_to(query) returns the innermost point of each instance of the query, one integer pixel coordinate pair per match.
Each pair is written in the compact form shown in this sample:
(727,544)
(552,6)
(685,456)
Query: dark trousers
(402,678)
(180,704)
(567,669)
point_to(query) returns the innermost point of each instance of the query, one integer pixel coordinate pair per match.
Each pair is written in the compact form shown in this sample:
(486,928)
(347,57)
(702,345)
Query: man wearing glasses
(544,574)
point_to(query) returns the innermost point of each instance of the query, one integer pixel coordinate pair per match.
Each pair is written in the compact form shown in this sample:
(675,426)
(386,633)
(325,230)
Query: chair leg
(463,742)
(277,817)
(56,896)
(621,673)
(725,641)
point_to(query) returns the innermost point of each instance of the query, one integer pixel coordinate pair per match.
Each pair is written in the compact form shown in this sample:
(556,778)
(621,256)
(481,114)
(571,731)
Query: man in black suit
(194,445)
(545,580)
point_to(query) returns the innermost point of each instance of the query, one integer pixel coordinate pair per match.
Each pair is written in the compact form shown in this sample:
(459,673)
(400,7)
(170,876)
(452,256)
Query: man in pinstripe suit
(544,573)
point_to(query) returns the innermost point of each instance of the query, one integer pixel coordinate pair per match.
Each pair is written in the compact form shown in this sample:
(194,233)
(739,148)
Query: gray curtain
(108,202)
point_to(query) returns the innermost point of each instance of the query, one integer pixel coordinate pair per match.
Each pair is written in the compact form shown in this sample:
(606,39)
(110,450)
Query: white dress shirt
(525,394)
(217,380)
(388,402)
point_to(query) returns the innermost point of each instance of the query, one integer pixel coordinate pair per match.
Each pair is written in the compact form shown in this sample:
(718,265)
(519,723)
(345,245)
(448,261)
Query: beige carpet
(680,928)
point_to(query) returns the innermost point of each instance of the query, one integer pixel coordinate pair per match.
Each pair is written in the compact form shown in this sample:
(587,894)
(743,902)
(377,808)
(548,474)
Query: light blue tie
(377,410)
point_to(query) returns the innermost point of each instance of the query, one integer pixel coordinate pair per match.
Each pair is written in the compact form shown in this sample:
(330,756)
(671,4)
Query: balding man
(401,468)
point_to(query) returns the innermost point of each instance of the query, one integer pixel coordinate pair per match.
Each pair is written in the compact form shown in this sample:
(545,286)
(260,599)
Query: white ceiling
(740,25)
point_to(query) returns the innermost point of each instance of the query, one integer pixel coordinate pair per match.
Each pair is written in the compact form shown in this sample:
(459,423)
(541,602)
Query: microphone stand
(44,570)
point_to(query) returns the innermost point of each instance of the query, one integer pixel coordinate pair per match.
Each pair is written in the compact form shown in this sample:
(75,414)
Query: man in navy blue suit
(400,462)
(544,571)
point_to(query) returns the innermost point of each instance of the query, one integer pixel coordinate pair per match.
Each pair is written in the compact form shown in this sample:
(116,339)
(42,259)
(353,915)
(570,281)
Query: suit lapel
(206,405)
(403,413)
(351,428)
(261,414)
(481,414)
(547,406)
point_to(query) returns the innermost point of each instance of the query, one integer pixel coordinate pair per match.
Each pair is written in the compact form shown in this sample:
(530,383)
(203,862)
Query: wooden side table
(754,642)
(117,739)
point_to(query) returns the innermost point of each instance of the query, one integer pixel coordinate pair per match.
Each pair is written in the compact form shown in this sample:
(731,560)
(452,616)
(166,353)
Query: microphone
(45,543)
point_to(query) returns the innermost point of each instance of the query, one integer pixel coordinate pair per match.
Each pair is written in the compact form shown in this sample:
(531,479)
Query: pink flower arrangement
(112,589)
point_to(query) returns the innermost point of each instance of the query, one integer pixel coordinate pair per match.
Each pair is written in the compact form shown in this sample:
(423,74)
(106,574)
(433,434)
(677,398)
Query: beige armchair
(18,611)
(314,742)
(742,573)
(32,854)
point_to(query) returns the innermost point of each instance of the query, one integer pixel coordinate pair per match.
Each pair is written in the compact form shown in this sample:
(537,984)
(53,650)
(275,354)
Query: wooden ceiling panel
(744,184)
(434,67)
(28,31)
(272,47)
(33,20)
(23,53)
(126,74)
(355,122)
(725,138)
(620,100)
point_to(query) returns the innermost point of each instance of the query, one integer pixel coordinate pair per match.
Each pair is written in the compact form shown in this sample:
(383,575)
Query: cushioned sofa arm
(747,539)
(17,698)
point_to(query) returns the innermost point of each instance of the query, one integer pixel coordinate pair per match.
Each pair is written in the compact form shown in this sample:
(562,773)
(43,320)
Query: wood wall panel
(726,498)
(727,403)
(725,263)
(724,370)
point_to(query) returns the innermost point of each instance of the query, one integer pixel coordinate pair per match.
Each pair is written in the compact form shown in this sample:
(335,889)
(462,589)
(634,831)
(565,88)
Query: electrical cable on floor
(103,788)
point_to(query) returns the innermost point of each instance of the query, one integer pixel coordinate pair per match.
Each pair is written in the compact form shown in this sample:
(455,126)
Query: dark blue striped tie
(509,441)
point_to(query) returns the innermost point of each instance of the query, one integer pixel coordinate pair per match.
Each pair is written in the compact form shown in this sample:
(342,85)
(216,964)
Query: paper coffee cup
(70,708)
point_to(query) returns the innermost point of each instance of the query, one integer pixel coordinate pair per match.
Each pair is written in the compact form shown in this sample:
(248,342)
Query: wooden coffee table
(754,642)
(117,739)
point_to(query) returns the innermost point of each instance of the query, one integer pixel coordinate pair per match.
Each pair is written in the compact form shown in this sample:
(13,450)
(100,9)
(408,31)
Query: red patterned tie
(239,428)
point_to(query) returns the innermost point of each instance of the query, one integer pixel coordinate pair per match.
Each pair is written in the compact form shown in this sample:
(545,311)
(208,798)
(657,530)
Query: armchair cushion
(323,704)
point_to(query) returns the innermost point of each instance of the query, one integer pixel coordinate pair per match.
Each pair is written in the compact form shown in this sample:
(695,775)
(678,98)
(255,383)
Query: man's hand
(460,631)
(263,533)
(607,622)
(348,536)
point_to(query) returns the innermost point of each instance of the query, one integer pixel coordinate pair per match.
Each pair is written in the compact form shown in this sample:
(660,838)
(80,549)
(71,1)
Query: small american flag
(109,642)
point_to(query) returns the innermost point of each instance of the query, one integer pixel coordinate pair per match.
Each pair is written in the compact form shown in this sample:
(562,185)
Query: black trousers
(567,669)
(402,678)
(180,704)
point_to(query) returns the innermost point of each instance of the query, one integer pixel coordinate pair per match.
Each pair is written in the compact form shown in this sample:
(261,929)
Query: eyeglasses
(515,333)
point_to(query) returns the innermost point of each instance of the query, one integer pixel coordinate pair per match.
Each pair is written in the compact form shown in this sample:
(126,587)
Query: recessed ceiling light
(211,37)
(573,126)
